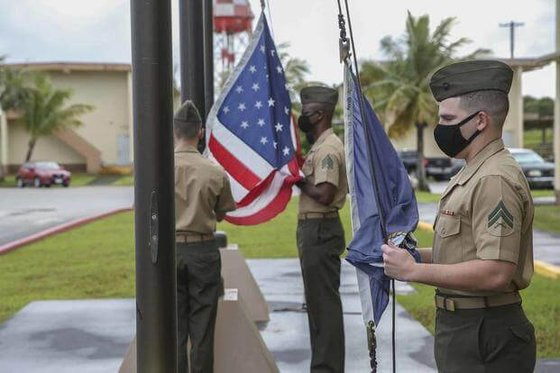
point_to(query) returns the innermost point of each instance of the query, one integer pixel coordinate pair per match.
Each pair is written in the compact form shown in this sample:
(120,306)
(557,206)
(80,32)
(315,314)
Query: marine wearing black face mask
(449,137)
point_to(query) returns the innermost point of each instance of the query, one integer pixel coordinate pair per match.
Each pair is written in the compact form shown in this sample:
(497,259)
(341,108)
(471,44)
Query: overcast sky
(99,30)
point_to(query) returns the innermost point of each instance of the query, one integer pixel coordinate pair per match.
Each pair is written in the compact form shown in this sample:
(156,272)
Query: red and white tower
(233,21)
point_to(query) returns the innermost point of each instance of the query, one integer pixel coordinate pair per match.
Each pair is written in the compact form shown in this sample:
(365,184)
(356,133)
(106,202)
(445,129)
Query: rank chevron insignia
(500,212)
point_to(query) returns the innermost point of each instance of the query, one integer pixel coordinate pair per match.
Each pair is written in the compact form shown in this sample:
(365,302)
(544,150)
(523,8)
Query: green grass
(93,261)
(540,301)
(542,193)
(127,180)
(427,197)
(547,218)
(81,179)
(532,139)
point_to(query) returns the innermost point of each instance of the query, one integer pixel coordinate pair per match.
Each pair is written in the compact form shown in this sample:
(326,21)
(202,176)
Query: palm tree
(44,111)
(399,87)
(13,87)
(13,90)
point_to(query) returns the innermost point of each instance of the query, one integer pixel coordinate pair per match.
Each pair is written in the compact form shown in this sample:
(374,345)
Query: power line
(512,25)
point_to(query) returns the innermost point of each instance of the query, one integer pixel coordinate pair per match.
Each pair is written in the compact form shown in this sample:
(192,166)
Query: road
(30,210)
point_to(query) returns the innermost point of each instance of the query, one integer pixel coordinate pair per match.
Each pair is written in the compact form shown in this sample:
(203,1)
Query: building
(105,138)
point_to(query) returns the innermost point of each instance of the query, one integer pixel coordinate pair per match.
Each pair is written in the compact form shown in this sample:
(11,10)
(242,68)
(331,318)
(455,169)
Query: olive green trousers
(320,244)
(490,340)
(199,285)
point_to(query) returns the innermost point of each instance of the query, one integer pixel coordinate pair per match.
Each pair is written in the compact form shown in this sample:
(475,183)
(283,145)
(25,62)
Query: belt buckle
(449,304)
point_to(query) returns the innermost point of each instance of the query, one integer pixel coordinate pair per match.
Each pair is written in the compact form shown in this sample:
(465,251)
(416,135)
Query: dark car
(409,159)
(41,174)
(443,168)
(539,173)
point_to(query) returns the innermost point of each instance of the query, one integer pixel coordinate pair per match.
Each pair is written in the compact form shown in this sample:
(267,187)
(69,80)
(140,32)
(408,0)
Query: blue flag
(385,195)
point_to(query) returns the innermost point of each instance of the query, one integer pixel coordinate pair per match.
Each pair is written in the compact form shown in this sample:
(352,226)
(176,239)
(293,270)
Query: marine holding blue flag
(320,236)
(483,251)
(382,201)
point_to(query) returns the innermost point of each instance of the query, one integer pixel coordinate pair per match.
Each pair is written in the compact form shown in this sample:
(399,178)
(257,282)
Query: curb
(547,269)
(10,246)
(542,268)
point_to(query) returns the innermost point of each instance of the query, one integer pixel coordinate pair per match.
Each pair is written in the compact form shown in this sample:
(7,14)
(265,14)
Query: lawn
(97,260)
(93,261)
(427,197)
(547,218)
(540,301)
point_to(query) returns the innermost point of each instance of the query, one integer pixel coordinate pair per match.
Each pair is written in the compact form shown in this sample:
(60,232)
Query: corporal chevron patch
(500,221)
(327,162)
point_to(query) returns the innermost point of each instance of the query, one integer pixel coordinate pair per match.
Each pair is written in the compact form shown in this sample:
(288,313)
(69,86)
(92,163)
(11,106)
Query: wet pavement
(93,335)
(26,211)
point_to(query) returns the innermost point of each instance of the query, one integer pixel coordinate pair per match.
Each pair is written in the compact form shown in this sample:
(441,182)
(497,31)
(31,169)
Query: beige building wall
(47,148)
(109,123)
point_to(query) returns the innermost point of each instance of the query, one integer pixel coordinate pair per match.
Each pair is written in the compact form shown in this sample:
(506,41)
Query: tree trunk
(30,147)
(420,169)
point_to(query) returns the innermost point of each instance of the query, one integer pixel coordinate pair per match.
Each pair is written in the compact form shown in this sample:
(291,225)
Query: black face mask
(304,122)
(449,137)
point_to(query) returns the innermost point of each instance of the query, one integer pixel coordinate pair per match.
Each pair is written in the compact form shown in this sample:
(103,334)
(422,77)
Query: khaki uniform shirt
(325,164)
(201,189)
(486,212)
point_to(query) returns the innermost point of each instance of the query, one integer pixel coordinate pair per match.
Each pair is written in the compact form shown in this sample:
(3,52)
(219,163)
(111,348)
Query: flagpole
(371,333)
(152,77)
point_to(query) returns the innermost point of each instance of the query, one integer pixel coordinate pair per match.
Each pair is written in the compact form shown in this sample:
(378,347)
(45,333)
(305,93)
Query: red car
(41,174)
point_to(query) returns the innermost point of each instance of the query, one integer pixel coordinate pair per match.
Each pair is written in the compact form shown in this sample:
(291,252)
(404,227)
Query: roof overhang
(68,67)
(532,63)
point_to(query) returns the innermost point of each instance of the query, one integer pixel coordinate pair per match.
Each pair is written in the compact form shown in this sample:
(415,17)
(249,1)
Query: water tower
(233,21)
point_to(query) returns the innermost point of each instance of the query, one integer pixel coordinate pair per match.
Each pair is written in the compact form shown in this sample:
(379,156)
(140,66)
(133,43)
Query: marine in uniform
(482,251)
(320,236)
(202,197)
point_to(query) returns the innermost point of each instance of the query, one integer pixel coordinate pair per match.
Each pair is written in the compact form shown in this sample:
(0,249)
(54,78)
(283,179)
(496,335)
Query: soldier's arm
(474,275)
(323,193)
(225,201)
(326,168)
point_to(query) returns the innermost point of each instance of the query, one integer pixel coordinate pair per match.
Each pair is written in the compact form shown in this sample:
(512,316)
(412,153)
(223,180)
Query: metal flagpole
(156,318)
(192,51)
(208,38)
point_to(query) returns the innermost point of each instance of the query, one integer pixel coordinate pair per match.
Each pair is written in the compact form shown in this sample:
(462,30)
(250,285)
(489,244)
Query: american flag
(250,132)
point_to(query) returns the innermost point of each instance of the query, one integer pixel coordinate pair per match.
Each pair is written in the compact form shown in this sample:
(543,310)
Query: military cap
(465,77)
(187,113)
(319,94)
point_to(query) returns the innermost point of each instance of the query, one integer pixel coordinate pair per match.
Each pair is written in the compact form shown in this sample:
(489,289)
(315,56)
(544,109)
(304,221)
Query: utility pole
(512,25)
(154,205)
